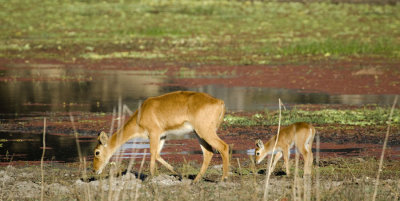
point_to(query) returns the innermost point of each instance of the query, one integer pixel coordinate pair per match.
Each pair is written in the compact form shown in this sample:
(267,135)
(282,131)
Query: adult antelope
(178,112)
(299,134)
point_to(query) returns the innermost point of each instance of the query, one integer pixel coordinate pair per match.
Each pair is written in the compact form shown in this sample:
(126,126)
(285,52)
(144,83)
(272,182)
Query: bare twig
(119,112)
(76,138)
(41,160)
(132,159)
(307,187)
(82,162)
(110,182)
(85,178)
(255,185)
(348,167)
(101,190)
(317,193)
(120,132)
(273,150)
(127,110)
(389,122)
(240,169)
(139,112)
(112,123)
(396,197)
(140,172)
(296,186)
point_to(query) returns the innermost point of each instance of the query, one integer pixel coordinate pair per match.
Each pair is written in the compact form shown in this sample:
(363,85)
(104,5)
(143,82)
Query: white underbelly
(186,128)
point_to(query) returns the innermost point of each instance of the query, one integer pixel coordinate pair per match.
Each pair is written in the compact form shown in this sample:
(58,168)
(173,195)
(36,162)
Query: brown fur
(295,134)
(180,110)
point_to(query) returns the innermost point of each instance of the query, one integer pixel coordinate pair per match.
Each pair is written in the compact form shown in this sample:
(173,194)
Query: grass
(354,117)
(201,32)
(341,178)
(205,32)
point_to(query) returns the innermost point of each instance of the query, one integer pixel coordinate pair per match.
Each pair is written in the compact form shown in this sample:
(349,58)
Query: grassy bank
(377,116)
(198,32)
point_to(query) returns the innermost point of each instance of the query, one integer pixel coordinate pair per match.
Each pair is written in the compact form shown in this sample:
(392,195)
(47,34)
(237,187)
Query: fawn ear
(260,144)
(103,138)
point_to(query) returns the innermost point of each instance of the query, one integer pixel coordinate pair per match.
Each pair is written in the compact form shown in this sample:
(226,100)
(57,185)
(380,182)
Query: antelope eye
(258,153)
(97,153)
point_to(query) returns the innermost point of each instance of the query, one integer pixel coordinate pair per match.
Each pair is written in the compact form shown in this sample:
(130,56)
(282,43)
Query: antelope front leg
(276,159)
(166,164)
(286,155)
(154,142)
(161,160)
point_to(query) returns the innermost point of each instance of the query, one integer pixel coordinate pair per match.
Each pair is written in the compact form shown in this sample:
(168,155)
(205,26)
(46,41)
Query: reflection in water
(72,89)
(29,147)
(340,151)
(55,88)
(26,89)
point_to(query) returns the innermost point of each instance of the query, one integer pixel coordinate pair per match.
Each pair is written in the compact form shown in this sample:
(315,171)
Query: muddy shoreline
(363,76)
(337,140)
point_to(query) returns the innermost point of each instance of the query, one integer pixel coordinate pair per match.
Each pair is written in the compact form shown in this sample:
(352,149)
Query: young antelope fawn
(299,134)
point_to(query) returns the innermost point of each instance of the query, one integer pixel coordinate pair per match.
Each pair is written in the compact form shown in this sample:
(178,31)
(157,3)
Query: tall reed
(317,174)
(296,183)
(266,188)
(389,122)
(42,159)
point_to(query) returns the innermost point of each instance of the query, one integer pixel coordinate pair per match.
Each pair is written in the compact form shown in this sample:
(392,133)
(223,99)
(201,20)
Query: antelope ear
(103,138)
(260,144)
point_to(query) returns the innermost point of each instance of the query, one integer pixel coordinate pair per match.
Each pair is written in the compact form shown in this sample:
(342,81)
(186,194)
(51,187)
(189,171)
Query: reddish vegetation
(361,76)
(353,77)
(336,140)
(367,80)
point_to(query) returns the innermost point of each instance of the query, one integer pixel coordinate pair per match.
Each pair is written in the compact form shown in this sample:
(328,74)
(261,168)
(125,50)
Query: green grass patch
(332,47)
(205,32)
(114,55)
(356,117)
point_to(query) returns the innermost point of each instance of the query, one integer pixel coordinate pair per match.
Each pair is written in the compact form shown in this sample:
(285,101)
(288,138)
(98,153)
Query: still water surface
(26,89)
(53,89)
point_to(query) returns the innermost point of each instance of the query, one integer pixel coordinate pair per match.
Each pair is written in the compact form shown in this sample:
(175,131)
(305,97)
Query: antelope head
(102,153)
(260,151)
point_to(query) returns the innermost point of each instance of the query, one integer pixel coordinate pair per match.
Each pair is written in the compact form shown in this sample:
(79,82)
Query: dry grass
(41,160)
(66,182)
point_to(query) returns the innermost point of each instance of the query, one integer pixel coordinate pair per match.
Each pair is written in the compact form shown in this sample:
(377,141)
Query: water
(29,147)
(29,88)
(54,88)
(17,146)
